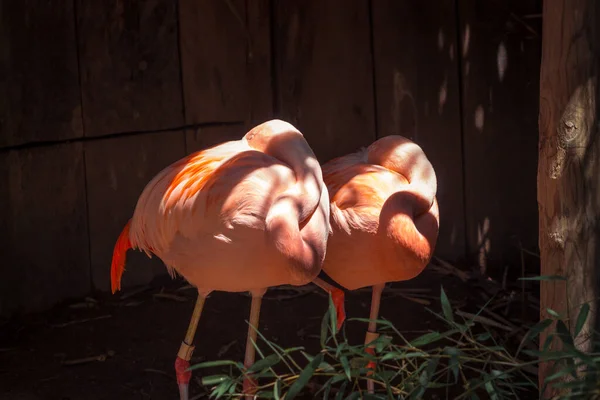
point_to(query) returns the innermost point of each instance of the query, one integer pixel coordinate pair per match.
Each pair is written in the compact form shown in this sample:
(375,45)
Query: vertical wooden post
(569,163)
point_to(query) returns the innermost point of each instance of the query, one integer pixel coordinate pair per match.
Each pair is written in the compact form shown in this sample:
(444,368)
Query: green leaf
(563,333)
(277,390)
(489,387)
(218,363)
(325,366)
(346,365)
(327,387)
(332,315)
(544,278)
(548,342)
(394,355)
(342,391)
(483,337)
(223,387)
(304,377)
(498,374)
(266,362)
(553,313)
(214,379)
(446,307)
(453,364)
(428,372)
(581,318)
(324,322)
(426,339)
(381,342)
(418,394)
(559,374)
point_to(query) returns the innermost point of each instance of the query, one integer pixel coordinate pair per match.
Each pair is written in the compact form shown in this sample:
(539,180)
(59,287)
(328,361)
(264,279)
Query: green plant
(463,362)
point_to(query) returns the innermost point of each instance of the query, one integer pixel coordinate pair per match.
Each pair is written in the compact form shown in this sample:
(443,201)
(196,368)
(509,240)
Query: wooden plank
(117,171)
(202,138)
(568,171)
(39,79)
(323,65)
(501,61)
(44,246)
(225,53)
(129,65)
(418,97)
(259,71)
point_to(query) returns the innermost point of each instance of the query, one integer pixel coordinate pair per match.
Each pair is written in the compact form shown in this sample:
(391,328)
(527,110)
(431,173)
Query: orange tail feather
(119,255)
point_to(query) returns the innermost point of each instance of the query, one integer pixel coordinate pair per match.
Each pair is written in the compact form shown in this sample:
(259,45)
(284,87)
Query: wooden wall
(100,96)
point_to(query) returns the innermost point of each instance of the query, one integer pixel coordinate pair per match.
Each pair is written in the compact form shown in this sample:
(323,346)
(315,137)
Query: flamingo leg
(372,330)
(182,362)
(337,296)
(249,384)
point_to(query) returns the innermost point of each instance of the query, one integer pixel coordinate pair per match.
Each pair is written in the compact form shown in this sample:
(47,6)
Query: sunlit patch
(466,41)
(502,59)
(484,244)
(479,117)
(222,238)
(442,96)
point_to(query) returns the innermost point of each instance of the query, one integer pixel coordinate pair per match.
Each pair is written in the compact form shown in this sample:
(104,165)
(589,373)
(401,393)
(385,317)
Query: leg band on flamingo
(370,337)
(182,363)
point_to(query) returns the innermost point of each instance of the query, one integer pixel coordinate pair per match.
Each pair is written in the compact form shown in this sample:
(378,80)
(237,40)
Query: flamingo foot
(337,296)
(183,377)
(249,388)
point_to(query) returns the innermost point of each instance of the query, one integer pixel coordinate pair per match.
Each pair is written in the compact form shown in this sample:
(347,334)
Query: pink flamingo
(241,216)
(384,218)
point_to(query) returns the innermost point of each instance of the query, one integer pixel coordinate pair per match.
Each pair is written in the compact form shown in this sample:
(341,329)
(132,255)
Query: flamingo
(384,219)
(241,216)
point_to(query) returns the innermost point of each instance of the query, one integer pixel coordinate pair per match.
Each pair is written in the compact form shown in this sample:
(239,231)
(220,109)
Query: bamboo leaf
(394,355)
(304,377)
(581,318)
(266,362)
(563,333)
(332,315)
(553,313)
(544,278)
(446,307)
(453,364)
(218,363)
(277,390)
(346,365)
(214,379)
(324,322)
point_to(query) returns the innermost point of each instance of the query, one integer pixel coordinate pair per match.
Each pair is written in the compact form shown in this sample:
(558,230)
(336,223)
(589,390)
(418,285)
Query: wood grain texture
(569,167)
(417,89)
(325,74)
(500,69)
(202,138)
(44,246)
(259,72)
(117,170)
(39,79)
(129,60)
(225,55)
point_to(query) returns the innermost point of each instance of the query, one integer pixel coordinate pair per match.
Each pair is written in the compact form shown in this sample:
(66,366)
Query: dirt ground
(44,356)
